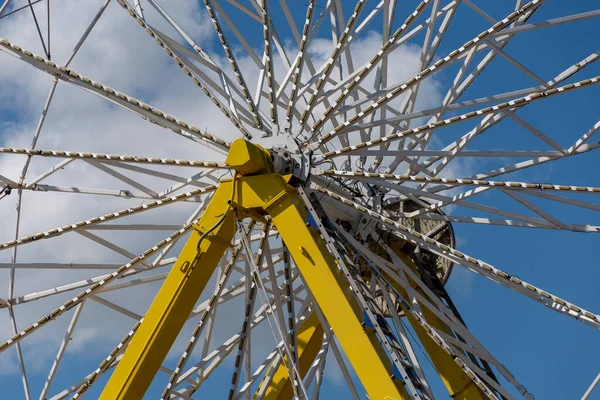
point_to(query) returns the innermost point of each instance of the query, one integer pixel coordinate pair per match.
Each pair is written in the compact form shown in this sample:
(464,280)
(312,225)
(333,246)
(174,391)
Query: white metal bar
(299,63)
(327,67)
(152,114)
(474,265)
(61,351)
(61,165)
(115,307)
(123,178)
(4,5)
(107,217)
(446,122)
(233,62)
(112,157)
(93,288)
(488,121)
(547,216)
(24,380)
(548,23)
(110,245)
(388,95)
(49,266)
(269,67)
(591,388)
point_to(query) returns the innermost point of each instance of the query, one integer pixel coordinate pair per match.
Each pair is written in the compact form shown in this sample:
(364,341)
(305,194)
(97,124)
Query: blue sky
(554,356)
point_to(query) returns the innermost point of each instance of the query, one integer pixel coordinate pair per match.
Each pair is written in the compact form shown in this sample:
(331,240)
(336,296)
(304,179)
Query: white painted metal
(352,120)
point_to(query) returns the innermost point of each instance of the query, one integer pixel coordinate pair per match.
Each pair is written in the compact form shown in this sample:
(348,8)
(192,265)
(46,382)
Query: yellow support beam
(458,383)
(309,338)
(259,192)
(174,302)
(333,295)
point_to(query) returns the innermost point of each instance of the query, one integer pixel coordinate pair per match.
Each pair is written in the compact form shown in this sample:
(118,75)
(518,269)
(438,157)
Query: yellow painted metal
(257,193)
(173,303)
(333,295)
(458,383)
(248,158)
(309,338)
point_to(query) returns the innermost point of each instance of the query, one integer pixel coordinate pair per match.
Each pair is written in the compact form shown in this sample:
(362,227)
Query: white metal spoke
(194,180)
(152,114)
(226,87)
(492,119)
(124,179)
(477,266)
(547,216)
(76,155)
(20,359)
(591,388)
(299,63)
(115,307)
(234,65)
(531,162)
(269,68)
(106,217)
(519,220)
(586,136)
(360,103)
(391,94)
(385,49)
(185,68)
(291,319)
(453,182)
(107,362)
(403,39)
(125,193)
(251,289)
(548,23)
(109,245)
(61,351)
(327,67)
(5,4)
(93,288)
(258,286)
(58,266)
(459,118)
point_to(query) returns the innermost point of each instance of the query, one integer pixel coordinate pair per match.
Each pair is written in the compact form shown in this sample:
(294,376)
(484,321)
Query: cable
(418,345)
(220,221)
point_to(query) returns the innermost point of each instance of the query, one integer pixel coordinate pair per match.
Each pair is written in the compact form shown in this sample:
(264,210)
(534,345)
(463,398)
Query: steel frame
(318,92)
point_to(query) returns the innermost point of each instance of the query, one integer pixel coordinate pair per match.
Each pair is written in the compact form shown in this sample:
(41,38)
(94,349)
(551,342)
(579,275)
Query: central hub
(277,154)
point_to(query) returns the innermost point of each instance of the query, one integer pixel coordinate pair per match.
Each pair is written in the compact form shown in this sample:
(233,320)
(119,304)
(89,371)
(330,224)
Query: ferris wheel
(311,193)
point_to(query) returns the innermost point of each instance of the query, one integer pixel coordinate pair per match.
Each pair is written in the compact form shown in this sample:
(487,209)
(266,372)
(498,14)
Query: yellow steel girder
(309,338)
(173,303)
(256,192)
(457,382)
